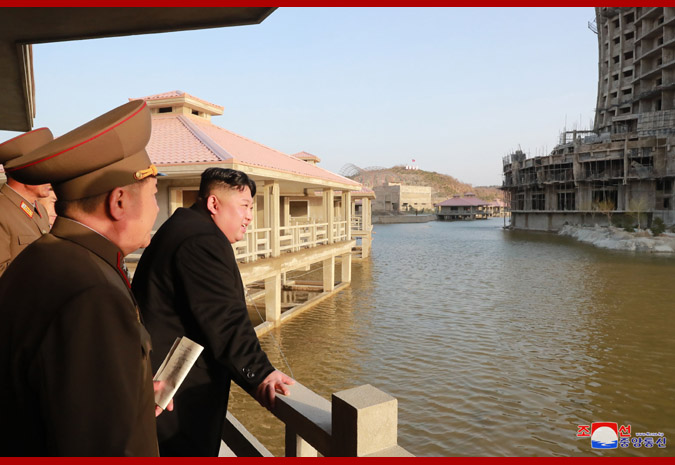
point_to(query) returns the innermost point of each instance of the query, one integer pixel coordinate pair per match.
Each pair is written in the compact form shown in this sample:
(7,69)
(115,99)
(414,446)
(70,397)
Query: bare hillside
(442,185)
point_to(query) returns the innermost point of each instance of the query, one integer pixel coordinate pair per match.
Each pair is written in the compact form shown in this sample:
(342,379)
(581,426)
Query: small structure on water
(468,207)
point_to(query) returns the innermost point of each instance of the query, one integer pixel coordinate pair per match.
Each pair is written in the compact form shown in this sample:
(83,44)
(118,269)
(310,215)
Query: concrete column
(364,421)
(329,274)
(346,268)
(274,216)
(365,246)
(273,298)
(287,211)
(347,208)
(329,212)
(298,447)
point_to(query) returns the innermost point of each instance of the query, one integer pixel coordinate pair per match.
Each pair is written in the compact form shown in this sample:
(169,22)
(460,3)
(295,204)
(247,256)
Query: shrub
(658,226)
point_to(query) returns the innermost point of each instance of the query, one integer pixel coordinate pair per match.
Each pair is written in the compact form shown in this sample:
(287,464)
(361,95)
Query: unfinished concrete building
(625,165)
(397,197)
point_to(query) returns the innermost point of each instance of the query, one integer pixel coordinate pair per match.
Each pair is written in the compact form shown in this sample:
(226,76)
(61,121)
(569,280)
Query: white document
(175,367)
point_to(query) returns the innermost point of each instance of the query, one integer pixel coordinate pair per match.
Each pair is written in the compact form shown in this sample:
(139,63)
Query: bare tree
(605,207)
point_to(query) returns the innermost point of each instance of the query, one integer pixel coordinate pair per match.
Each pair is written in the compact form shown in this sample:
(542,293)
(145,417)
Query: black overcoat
(187,283)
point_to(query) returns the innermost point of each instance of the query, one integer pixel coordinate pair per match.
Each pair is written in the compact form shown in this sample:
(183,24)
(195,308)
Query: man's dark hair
(214,178)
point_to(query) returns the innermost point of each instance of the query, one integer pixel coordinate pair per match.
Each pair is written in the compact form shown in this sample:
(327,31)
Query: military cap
(25,143)
(105,153)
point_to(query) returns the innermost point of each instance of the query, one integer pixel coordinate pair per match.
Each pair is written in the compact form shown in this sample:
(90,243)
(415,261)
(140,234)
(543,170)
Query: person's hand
(158,386)
(275,382)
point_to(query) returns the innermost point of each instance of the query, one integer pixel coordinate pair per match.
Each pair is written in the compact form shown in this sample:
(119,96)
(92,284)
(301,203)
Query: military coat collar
(76,232)
(34,212)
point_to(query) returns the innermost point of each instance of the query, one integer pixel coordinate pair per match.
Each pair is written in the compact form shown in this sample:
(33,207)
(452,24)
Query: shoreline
(614,238)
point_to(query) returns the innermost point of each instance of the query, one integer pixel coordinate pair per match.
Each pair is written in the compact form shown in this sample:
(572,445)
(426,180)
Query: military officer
(22,218)
(75,374)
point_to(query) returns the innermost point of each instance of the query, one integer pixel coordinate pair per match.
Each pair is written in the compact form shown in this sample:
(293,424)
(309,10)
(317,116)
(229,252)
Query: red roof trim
(81,143)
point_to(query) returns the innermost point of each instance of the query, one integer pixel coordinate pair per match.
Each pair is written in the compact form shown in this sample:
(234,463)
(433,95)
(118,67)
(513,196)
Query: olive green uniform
(75,374)
(20,224)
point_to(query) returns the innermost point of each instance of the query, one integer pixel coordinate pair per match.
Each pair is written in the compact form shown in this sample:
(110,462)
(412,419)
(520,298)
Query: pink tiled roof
(462,202)
(306,156)
(176,94)
(364,190)
(172,143)
(180,140)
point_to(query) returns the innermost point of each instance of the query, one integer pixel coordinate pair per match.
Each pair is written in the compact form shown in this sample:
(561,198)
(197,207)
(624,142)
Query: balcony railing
(257,243)
(299,236)
(358,422)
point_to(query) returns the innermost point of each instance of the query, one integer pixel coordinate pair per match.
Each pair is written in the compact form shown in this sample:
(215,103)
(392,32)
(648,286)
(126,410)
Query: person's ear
(115,203)
(212,204)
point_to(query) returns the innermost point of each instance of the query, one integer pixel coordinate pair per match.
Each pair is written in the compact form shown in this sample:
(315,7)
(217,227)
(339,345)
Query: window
(565,200)
(628,55)
(629,35)
(195,112)
(165,110)
(298,208)
(538,201)
(520,201)
(628,73)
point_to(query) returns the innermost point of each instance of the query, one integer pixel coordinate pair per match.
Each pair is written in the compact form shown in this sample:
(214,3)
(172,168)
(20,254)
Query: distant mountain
(442,186)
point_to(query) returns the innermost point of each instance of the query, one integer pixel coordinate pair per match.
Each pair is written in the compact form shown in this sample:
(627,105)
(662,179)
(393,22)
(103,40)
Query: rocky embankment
(618,239)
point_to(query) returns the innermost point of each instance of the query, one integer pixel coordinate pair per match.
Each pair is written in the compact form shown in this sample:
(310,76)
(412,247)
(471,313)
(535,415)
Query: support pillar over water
(329,274)
(273,299)
(346,268)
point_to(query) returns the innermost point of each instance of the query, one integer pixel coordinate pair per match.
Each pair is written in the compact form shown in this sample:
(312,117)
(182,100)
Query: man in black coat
(187,283)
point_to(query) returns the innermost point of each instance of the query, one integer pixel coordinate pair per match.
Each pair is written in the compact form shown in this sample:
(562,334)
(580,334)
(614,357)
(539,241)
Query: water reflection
(494,342)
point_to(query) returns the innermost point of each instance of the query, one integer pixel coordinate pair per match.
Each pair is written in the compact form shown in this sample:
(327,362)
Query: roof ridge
(209,143)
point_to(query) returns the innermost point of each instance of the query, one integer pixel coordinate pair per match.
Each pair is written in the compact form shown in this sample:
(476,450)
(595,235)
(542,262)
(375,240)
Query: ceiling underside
(21,27)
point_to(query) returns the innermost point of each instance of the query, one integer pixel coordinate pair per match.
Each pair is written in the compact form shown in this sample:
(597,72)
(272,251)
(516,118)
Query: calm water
(494,342)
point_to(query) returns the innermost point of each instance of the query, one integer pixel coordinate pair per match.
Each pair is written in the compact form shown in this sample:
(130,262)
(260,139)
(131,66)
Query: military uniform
(20,224)
(20,221)
(75,373)
(79,380)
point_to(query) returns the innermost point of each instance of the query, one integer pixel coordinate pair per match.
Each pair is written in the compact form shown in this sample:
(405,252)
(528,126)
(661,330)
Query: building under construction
(623,168)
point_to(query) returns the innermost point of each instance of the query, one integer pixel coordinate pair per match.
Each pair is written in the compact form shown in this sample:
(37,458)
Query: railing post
(296,446)
(364,421)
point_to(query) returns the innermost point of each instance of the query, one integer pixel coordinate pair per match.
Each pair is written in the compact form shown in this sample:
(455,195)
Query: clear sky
(455,89)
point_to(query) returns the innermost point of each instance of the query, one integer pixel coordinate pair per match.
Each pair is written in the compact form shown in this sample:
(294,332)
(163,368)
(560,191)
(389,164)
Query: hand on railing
(275,382)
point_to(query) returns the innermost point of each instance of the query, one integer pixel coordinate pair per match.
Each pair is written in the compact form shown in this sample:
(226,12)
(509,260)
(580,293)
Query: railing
(358,422)
(257,243)
(340,231)
(357,223)
(299,236)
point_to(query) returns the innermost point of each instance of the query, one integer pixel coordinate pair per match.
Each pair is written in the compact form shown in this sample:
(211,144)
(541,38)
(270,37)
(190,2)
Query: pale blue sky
(454,88)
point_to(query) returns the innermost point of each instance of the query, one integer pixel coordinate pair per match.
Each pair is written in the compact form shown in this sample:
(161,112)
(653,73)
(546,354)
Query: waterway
(494,342)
